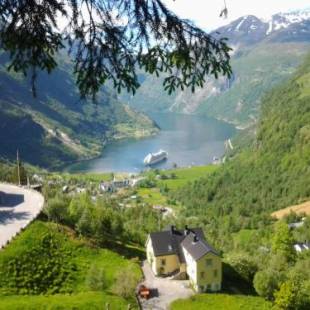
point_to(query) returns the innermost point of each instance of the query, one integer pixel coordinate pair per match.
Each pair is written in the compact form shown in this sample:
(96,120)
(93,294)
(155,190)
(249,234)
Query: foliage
(44,268)
(125,283)
(109,41)
(286,297)
(53,129)
(245,266)
(265,283)
(270,174)
(96,279)
(55,209)
(256,69)
(86,271)
(283,241)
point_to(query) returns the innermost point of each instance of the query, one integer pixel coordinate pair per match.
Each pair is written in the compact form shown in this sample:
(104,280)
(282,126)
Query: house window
(209,262)
(215,273)
(208,287)
(202,274)
(163,262)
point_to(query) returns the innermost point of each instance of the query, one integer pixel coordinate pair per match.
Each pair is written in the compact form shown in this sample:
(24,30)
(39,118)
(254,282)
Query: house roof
(197,248)
(171,241)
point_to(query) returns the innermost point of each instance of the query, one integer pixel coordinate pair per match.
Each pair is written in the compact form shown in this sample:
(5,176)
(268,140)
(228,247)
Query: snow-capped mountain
(250,29)
(284,20)
(265,52)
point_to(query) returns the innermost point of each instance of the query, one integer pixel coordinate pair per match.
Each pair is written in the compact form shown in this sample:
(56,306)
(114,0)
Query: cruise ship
(154,158)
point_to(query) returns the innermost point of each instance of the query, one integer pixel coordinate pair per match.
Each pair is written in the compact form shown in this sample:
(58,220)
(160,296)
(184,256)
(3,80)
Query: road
(164,290)
(18,207)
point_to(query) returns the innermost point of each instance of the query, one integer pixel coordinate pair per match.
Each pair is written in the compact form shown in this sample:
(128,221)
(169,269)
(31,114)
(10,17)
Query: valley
(57,127)
(189,140)
(264,54)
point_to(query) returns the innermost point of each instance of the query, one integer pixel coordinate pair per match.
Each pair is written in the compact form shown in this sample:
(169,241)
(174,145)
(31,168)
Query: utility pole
(18,171)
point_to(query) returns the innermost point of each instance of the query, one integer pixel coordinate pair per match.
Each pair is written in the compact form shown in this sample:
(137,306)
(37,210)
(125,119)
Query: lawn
(152,196)
(84,301)
(175,179)
(67,262)
(221,302)
(184,175)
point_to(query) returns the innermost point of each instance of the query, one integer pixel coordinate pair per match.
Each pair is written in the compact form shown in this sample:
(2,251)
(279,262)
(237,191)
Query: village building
(302,246)
(185,254)
(106,187)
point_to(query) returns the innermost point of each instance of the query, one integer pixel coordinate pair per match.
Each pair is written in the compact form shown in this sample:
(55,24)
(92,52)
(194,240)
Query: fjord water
(188,139)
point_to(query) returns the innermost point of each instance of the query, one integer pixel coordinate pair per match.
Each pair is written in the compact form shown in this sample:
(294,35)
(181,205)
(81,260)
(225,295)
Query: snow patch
(241,22)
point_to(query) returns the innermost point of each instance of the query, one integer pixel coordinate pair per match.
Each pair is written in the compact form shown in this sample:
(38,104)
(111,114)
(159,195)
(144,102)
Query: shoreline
(61,168)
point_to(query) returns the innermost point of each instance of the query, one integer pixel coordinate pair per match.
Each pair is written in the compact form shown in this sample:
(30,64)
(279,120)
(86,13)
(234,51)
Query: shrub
(96,279)
(125,283)
(44,268)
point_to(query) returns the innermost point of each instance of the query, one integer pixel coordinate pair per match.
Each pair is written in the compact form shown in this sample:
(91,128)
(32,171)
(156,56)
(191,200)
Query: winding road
(18,207)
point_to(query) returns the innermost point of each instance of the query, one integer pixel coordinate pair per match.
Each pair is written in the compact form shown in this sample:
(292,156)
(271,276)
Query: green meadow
(183,175)
(221,302)
(48,267)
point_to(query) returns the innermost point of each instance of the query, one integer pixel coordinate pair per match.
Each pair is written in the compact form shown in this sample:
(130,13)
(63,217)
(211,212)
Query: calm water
(189,140)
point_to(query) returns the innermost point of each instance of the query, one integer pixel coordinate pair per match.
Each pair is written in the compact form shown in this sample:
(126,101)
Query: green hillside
(221,302)
(57,127)
(272,173)
(48,267)
(256,69)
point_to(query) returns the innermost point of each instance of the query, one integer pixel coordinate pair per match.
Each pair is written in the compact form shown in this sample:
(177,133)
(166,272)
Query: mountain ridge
(259,61)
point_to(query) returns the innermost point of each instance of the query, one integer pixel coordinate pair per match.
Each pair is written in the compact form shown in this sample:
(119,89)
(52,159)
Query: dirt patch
(298,209)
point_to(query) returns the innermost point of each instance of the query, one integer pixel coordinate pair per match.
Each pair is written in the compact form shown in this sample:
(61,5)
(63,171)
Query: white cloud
(205,13)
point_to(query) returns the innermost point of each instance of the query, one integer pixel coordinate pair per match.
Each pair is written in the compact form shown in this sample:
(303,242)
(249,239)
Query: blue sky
(205,13)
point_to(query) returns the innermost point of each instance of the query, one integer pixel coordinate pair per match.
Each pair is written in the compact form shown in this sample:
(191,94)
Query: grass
(85,301)
(176,178)
(184,175)
(83,255)
(152,196)
(221,302)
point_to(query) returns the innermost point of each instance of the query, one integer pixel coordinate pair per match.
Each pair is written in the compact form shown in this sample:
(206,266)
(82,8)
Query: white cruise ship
(154,158)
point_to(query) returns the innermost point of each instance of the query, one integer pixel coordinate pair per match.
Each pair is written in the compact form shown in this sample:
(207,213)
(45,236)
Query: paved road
(18,207)
(167,290)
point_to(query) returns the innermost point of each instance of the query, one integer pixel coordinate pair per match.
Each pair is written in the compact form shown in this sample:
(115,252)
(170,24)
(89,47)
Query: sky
(205,13)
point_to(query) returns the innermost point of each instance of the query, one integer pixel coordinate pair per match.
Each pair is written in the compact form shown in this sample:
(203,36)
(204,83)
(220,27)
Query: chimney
(186,230)
(195,238)
(172,229)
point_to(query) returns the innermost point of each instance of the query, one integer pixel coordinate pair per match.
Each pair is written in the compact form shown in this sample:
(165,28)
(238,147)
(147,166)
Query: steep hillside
(270,174)
(264,53)
(57,127)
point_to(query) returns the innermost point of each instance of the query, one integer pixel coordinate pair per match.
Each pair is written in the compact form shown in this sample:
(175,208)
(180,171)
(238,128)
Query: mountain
(249,30)
(268,173)
(57,127)
(265,52)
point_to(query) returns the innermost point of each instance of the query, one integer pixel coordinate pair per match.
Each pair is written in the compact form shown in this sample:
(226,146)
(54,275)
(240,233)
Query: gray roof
(169,242)
(197,249)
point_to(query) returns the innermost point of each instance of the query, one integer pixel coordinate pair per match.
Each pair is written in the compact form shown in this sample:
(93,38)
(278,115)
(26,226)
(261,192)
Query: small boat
(154,158)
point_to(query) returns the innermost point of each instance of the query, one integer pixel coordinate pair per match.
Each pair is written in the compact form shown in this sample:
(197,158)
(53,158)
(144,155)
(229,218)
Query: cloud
(205,13)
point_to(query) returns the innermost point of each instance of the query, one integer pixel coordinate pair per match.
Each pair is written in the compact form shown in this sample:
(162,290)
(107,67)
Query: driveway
(18,207)
(167,290)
